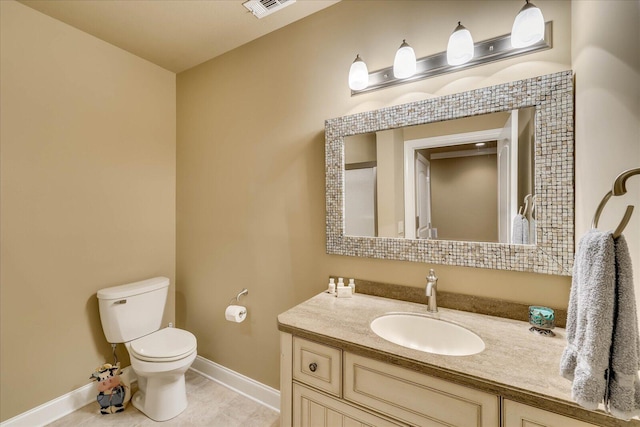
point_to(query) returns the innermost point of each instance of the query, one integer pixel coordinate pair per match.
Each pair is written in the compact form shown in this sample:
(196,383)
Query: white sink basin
(427,334)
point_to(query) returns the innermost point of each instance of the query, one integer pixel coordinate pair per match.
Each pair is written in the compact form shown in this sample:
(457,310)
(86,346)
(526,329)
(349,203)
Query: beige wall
(389,180)
(87,191)
(464,198)
(526,147)
(87,197)
(606,61)
(251,204)
(360,148)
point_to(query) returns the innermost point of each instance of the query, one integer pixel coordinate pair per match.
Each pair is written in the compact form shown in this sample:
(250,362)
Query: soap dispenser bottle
(332,286)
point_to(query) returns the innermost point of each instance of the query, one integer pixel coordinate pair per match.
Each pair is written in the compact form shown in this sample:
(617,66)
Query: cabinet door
(314,409)
(415,398)
(520,415)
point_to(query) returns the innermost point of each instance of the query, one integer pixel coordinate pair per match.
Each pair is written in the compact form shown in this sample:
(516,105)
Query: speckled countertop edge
(515,364)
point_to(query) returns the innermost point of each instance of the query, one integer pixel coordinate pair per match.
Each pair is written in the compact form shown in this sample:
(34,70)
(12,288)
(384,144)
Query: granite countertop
(515,363)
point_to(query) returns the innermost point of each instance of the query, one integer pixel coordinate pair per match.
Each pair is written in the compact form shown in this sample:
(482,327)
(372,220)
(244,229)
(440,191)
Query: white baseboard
(239,383)
(64,405)
(59,407)
(54,409)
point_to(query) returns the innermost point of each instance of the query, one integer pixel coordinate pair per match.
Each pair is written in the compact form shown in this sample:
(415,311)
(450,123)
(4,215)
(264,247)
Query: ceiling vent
(262,8)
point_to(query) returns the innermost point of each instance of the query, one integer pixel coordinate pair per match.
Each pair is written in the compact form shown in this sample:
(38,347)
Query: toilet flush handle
(122,301)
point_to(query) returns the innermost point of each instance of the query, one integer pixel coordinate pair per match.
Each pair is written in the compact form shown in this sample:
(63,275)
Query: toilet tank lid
(131,289)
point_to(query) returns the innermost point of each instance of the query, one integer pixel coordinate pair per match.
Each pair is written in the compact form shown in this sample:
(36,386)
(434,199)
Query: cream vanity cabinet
(314,409)
(416,399)
(327,387)
(516,414)
(314,396)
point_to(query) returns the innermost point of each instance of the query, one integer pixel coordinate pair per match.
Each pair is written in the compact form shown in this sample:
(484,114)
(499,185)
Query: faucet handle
(432,285)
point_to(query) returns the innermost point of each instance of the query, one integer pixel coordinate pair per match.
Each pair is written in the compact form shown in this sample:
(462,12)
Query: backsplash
(455,301)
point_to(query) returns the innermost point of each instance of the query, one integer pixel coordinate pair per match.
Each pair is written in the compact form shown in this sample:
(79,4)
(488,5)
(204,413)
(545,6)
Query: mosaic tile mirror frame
(552,97)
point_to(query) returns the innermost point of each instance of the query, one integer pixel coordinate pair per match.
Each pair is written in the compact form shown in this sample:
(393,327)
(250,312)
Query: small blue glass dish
(542,319)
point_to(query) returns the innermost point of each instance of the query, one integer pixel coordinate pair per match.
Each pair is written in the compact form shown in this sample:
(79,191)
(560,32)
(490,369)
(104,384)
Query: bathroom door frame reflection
(410,152)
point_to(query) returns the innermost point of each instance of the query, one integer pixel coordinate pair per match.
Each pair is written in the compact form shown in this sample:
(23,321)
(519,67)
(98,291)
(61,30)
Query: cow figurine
(113,394)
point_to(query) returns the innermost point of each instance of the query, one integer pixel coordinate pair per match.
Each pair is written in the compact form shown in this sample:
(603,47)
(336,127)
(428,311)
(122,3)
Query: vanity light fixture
(528,27)
(358,74)
(460,46)
(404,64)
(529,34)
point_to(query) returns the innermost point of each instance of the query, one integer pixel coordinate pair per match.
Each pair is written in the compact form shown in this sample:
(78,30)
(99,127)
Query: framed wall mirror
(481,179)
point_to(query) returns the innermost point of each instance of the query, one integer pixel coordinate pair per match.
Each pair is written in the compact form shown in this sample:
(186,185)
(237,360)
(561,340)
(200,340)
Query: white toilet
(132,314)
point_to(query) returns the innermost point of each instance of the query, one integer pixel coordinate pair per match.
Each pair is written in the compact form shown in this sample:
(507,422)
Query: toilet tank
(133,310)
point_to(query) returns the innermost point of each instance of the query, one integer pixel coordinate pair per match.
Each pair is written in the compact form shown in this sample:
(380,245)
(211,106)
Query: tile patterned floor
(210,404)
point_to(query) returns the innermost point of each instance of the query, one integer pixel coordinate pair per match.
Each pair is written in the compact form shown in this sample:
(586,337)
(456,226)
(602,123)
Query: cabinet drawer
(317,365)
(314,409)
(415,398)
(520,415)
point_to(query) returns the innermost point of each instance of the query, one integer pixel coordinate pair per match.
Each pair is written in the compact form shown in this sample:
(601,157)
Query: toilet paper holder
(243,292)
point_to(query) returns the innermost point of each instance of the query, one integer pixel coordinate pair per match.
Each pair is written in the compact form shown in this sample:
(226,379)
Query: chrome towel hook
(619,188)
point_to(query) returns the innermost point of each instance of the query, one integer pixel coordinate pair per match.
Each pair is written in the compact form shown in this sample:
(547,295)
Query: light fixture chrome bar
(495,49)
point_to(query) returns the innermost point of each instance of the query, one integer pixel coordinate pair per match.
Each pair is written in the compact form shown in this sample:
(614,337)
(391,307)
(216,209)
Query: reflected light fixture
(404,64)
(358,74)
(460,46)
(528,27)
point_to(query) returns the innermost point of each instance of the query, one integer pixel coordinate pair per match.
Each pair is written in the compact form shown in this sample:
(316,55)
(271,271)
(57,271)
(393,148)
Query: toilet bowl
(160,361)
(132,314)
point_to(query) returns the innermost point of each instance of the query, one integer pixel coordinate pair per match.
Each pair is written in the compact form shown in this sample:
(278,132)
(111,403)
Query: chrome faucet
(431,291)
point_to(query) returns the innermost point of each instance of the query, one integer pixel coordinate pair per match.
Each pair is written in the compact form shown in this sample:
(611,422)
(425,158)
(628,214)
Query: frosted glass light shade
(460,46)
(528,27)
(404,64)
(358,74)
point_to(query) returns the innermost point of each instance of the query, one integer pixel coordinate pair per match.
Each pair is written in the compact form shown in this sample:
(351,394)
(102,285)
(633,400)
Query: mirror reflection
(469,179)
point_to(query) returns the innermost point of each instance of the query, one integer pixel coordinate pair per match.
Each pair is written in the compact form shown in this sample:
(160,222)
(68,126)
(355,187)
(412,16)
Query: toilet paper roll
(235,313)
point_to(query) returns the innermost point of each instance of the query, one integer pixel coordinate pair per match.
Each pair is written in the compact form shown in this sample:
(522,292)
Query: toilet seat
(165,345)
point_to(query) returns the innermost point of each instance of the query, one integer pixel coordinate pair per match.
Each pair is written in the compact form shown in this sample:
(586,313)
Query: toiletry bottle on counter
(340,281)
(332,286)
(352,285)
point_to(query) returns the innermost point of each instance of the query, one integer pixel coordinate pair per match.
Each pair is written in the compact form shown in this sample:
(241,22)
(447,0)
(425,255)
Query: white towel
(601,357)
(520,230)
(516,230)
(532,231)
